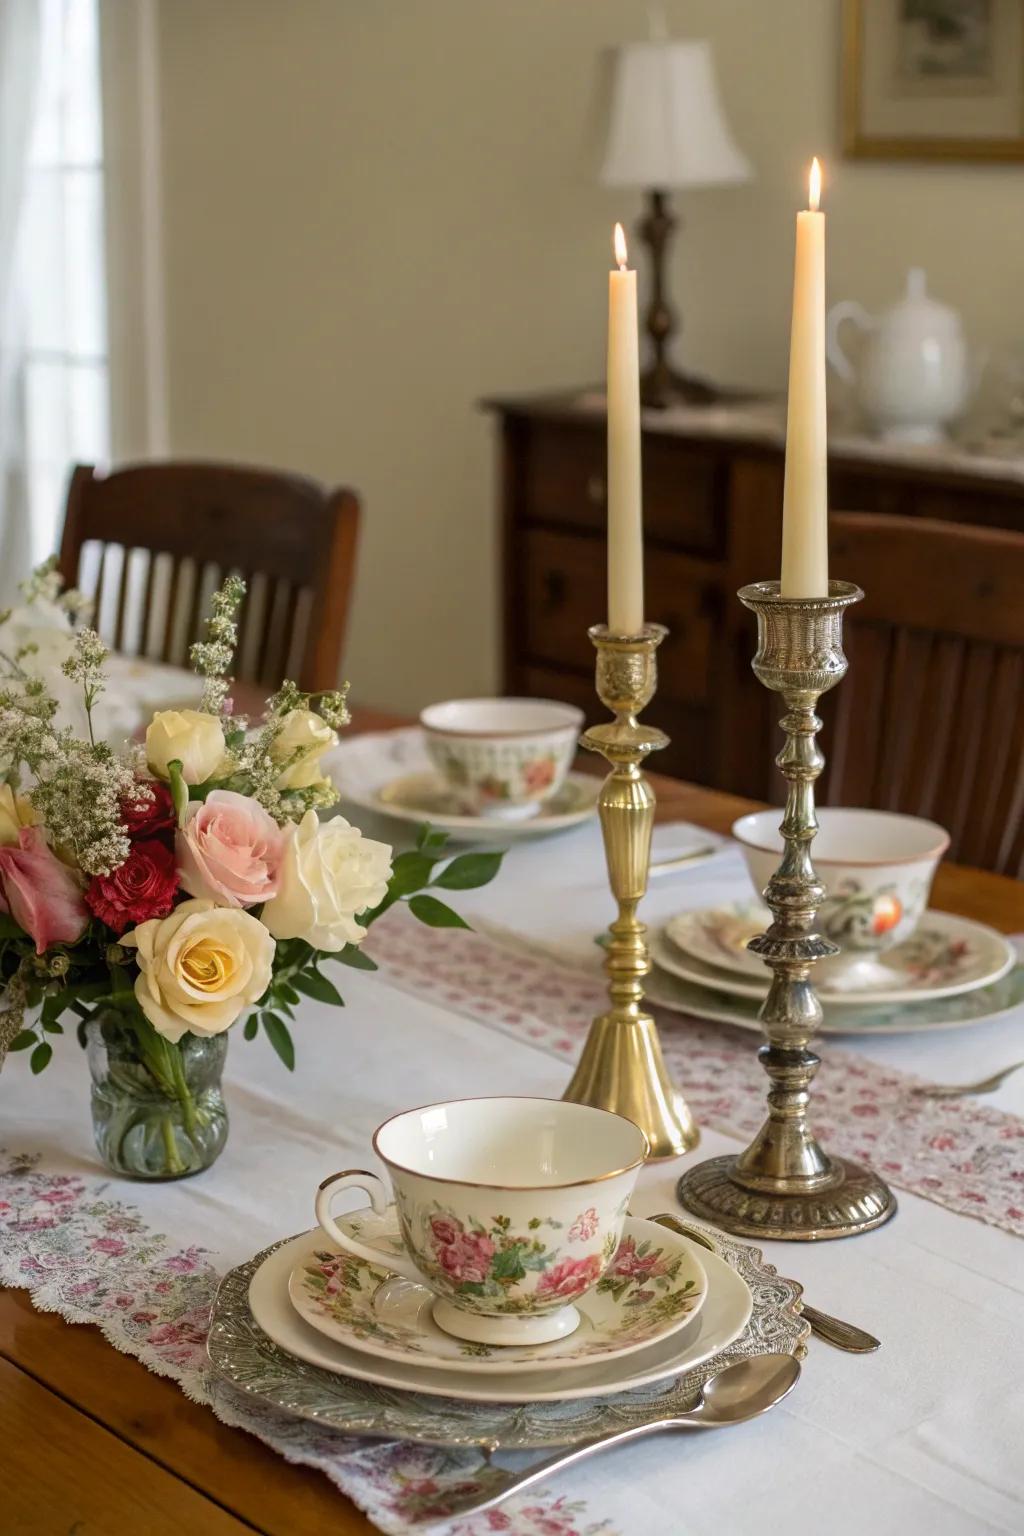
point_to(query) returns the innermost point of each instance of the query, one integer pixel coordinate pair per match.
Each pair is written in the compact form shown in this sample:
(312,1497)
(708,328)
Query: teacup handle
(371,1184)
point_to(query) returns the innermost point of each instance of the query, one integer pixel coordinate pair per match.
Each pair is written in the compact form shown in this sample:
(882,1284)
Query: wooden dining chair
(151,542)
(930,717)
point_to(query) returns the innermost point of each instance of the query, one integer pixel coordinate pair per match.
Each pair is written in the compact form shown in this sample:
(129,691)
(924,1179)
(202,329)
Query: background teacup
(502,757)
(510,1209)
(877,866)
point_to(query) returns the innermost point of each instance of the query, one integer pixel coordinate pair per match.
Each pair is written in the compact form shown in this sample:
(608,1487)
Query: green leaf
(276,1031)
(9,928)
(430,841)
(508,1264)
(22,1040)
(315,985)
(468,871)
(52,1027)
(40,1057)
(352,955)
(410,872)
(250,1027)
(285,993)
(434,913)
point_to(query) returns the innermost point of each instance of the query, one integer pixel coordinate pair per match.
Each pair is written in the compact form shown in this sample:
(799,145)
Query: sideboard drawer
(684,489)
(565,588)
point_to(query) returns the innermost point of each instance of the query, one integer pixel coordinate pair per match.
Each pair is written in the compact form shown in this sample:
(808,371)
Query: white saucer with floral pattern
(654,1284)
(945,955)
(721,1320)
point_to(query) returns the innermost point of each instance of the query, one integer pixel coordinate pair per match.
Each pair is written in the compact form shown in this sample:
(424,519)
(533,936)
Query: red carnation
(145,886)
(148,816)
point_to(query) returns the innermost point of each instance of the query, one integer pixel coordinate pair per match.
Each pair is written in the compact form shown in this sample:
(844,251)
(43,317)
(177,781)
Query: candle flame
(621,254)
(814,198)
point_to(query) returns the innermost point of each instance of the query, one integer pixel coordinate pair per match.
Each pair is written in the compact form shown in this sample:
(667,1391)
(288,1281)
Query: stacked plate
(349,1343)
(950,971)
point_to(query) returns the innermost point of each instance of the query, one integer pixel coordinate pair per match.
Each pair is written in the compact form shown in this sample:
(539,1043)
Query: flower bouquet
(163,894)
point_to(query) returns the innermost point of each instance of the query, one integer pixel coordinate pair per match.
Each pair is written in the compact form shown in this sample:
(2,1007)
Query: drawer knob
(597,490)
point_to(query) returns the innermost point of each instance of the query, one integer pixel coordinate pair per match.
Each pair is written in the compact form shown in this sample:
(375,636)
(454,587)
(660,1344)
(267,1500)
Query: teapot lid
(917,305)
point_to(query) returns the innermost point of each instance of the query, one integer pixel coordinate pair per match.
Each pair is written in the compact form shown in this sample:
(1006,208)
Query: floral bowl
(878,868)
(502,757)
(510,1209)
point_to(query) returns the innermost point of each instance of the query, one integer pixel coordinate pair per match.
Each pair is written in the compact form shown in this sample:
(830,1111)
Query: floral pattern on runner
(962,1154)
(89,1256)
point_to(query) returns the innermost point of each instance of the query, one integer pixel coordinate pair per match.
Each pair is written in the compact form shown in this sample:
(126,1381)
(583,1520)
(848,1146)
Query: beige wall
(377,211)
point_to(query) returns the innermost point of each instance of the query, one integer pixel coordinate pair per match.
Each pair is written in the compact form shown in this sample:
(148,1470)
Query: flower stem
(183,1093)
(174,1162)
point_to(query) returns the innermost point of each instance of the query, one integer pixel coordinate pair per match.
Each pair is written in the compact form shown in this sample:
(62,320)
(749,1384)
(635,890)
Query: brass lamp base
(622,1068)
(785,1184)
(853,1200)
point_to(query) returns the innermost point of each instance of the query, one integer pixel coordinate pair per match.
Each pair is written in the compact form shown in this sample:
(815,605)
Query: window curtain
(19,79)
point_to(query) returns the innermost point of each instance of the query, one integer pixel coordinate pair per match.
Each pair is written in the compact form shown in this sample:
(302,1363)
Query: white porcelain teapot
(915,374)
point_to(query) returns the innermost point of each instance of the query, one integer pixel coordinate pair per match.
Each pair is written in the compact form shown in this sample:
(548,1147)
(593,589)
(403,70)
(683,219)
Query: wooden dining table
(94,1444)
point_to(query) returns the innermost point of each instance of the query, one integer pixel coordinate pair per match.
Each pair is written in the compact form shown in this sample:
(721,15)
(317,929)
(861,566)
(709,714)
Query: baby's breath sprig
(212,657)
(85,665)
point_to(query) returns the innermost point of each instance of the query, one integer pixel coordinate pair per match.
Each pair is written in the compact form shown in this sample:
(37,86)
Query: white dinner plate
(944,956)
(722,1319)
(980,1007)
(654,1285)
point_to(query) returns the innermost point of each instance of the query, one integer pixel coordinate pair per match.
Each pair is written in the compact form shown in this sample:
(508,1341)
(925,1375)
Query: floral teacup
(502,757)
(877,866)
(510,1209)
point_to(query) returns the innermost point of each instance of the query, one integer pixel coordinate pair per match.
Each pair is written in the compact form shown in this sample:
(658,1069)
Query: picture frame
(933,80)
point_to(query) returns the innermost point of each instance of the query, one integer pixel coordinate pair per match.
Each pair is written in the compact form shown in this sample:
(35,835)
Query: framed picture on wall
(933,79)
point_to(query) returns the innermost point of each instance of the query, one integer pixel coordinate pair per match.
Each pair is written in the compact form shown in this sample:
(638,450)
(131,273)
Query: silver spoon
(845,1336)
(961,1090)
(737,1392)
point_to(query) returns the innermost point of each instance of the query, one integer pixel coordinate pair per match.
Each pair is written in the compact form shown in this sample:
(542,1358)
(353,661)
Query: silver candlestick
(785,1185)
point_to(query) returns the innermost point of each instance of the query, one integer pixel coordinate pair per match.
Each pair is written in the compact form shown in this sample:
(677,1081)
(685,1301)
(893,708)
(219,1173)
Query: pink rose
(229,850)
(445,1228)
(41,893)
(468,1258)
(571,1277)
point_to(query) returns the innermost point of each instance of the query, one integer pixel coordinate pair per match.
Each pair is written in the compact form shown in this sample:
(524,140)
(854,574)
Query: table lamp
(668,131)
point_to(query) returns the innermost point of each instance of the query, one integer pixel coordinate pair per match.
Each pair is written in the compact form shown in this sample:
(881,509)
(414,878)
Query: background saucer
(978,1007)
(945,956)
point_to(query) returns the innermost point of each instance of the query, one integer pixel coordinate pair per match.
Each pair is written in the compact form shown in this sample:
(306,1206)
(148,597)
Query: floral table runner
(961,1153)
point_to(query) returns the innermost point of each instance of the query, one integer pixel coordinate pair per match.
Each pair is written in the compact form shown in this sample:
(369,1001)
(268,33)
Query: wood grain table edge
(82,1476)
(78,1366)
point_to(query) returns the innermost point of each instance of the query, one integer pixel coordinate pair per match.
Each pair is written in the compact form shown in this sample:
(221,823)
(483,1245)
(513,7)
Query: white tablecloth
(927,1435)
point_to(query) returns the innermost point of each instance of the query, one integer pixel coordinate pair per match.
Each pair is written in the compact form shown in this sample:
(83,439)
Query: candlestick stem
(621,1067)
(785,1185)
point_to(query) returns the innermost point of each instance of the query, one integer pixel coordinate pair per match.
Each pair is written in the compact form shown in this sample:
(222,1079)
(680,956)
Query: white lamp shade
(667,126)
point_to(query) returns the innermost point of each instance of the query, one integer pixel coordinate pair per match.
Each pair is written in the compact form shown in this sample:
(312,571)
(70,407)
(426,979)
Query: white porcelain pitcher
(915,374)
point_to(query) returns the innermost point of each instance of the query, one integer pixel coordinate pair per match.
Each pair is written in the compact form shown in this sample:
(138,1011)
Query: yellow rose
(299,746)
(15,813)
(195,739)
(200,967)
(329,873)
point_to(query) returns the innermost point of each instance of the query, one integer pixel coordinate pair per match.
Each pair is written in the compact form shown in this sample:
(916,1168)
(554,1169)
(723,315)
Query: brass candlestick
(785,1185)
(621,1067)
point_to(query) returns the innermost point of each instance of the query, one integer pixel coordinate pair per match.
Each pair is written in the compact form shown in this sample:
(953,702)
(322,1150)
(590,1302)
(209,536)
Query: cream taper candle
(625,518)
(805,497)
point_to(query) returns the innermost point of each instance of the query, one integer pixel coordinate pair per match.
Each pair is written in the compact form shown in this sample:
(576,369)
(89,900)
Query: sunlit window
(67,396)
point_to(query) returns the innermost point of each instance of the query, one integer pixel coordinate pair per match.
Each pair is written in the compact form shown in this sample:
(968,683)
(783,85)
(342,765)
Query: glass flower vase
(157,1112)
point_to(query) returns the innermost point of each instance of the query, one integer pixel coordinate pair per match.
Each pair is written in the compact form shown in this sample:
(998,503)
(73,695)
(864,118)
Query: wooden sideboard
(712,518)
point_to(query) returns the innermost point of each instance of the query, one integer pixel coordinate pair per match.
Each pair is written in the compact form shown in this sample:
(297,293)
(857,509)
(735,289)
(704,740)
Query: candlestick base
(853,1199)
(622,1068)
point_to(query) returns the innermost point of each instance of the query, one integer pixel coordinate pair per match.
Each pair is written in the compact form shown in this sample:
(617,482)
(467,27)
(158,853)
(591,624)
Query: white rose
(200,967)
(195,739)
(329,873)
(299,746)
(15,813)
